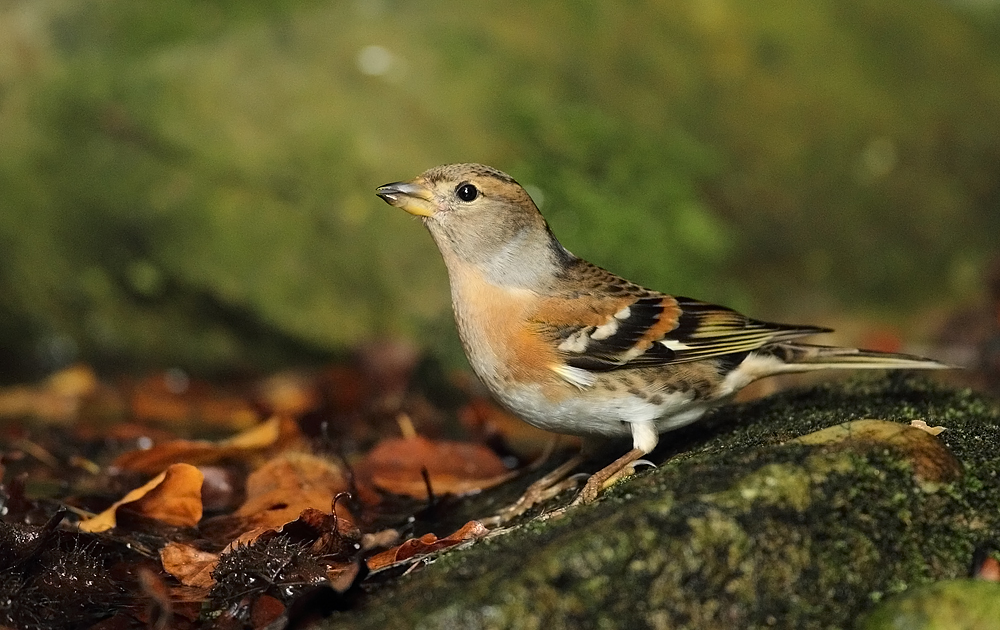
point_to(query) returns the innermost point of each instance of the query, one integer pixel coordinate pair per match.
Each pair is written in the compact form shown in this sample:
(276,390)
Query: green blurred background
(191,182)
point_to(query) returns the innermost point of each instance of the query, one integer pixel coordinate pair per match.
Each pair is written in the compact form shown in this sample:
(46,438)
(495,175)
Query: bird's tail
(801,357)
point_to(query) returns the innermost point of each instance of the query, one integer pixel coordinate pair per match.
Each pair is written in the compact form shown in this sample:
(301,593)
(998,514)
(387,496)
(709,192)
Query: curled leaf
(426,544)
(191,566)
(173,497)
(920,424)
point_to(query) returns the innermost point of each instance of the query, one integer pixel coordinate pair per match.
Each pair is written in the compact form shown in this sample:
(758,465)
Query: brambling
(575,349)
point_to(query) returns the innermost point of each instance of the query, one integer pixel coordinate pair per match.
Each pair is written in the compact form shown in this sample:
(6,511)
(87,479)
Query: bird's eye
(467,192)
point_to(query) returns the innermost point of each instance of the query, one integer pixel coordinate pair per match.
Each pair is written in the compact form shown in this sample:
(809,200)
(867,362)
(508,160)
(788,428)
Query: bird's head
(476,214)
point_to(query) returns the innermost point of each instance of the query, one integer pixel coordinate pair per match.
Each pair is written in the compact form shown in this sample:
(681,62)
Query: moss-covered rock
(740,528)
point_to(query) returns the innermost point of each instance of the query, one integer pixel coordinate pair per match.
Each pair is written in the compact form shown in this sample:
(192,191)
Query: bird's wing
(596,330)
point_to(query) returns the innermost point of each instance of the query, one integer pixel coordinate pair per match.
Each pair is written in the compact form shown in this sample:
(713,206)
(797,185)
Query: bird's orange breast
(495,323)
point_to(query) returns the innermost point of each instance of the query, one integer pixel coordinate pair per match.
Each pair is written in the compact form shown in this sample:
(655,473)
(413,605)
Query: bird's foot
(621,467)
(540,491)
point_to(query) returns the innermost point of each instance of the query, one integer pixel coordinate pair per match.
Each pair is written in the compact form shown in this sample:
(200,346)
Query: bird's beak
(413,198)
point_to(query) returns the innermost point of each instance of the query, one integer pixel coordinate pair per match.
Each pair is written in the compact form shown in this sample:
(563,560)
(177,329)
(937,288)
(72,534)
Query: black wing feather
(703,331)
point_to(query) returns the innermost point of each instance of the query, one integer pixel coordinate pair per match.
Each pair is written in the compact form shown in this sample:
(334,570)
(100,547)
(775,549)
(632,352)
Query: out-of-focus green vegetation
(191,182)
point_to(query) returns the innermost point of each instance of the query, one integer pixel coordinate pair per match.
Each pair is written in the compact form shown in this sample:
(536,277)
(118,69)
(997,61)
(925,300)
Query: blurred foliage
(191,182)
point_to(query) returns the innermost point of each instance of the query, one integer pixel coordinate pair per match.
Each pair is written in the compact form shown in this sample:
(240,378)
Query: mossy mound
(741,527)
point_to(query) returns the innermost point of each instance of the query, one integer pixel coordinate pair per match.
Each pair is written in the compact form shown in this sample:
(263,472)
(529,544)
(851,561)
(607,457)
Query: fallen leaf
(930,458)
(923,426)
(383,538)
(279,431)
(396,465)
(173,497)
(277,493)
(160,456)
(191,566)
(172,397)
(293,479)
(56,399)
(328,534)
(426,544)
(290,393)
(260,436)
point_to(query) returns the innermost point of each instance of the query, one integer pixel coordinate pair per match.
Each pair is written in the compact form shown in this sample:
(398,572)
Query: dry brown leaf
(930,458)
(173,497)
(428,543)
(158,457)
(291,393)
(173,399)
(923,426)
(330,534)
(57,399)
(191,566)
(279,431)
(262,435)
(396,465)
(279,491)
(248,537)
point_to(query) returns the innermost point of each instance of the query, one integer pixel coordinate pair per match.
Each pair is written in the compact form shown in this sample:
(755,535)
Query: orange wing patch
(605,333)
(585,310)
(669,316)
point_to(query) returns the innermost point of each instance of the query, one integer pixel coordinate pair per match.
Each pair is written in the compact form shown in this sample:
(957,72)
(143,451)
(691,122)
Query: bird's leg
(540,491)
(644,439)
(612,471)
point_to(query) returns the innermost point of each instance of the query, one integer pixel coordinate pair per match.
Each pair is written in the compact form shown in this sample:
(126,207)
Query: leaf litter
(168,502)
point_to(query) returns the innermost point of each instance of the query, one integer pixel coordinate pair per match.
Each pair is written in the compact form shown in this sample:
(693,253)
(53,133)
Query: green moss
(778,485)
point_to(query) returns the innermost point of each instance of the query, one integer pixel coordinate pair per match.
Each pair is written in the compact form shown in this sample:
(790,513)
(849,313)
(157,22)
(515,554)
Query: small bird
(572,348)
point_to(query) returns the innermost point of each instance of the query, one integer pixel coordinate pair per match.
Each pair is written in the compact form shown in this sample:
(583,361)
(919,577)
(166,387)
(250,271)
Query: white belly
(587,415)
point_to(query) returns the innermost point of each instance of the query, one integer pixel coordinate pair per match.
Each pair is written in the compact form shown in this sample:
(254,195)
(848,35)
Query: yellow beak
(413,198)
